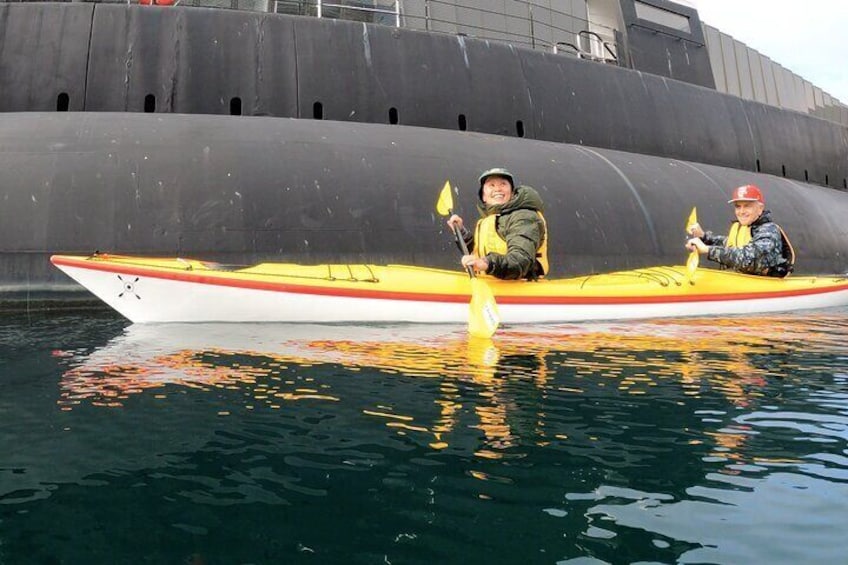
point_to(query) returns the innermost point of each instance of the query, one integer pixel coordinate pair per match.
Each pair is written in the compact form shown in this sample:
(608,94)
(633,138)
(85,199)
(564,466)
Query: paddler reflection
(505,389)
(499,377)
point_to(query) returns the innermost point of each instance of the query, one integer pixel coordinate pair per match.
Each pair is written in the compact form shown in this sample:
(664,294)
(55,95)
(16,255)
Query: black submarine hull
(240,137)
(247,189)
(126,58)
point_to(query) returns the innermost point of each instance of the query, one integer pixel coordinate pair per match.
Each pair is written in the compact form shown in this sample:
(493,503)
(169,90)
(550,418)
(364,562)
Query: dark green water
(693,441)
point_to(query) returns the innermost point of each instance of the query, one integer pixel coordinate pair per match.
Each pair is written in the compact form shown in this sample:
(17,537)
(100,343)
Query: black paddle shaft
(464,248)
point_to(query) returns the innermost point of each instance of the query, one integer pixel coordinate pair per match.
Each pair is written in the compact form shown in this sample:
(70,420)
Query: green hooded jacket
(522,229)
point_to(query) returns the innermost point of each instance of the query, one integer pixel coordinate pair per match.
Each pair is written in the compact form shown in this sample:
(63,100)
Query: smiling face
(747,212)
(496,190)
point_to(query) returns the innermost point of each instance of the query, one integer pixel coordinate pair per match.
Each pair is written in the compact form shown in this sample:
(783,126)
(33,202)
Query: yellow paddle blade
(483,316)
(693,219)
(692,264)
(694,256)
(445,204)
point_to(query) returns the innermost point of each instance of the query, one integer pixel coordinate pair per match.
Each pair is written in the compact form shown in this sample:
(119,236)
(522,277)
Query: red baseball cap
(747,193)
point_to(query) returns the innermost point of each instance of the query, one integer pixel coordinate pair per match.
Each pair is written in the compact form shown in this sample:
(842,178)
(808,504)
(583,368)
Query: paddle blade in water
(445,204)
(483,317)
(482,353)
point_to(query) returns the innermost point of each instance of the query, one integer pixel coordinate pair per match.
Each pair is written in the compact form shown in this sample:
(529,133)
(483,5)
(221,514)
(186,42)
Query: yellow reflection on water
(731,357)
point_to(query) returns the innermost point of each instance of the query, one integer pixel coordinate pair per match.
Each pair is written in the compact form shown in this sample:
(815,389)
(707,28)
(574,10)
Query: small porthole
(519,128)
(149,104)
(463,125)
(63,102)
(393,116)
(318,111)
(235,106)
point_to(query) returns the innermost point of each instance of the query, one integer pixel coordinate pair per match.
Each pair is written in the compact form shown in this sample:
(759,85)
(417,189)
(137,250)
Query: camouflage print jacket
(522,229)
(763,255)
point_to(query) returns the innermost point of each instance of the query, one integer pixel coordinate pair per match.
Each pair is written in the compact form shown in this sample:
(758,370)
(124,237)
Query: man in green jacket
(510,239)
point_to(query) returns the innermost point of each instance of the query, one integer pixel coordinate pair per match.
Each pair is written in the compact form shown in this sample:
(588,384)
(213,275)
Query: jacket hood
(523,198)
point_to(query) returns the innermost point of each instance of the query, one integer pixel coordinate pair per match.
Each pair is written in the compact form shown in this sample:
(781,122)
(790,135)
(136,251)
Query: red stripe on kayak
(194,277)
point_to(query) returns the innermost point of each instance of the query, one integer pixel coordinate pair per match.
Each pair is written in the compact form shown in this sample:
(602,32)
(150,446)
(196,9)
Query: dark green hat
(496,172)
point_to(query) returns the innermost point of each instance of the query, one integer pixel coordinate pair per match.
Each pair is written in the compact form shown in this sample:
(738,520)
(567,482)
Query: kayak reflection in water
(510,240)
(755,244)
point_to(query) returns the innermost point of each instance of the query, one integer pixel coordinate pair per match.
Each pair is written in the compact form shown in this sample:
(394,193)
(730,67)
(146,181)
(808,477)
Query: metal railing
(598,48)
(370,12)
(366,9)
(525,24)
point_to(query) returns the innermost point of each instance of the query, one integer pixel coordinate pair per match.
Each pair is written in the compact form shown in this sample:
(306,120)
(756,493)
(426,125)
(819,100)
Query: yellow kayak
(146,289)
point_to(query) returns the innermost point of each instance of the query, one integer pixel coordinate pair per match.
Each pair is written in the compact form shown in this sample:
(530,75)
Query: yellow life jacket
(740,236)
(488,240)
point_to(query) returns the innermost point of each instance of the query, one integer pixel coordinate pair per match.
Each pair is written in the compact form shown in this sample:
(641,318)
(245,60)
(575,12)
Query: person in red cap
(755,244)
(510,240)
